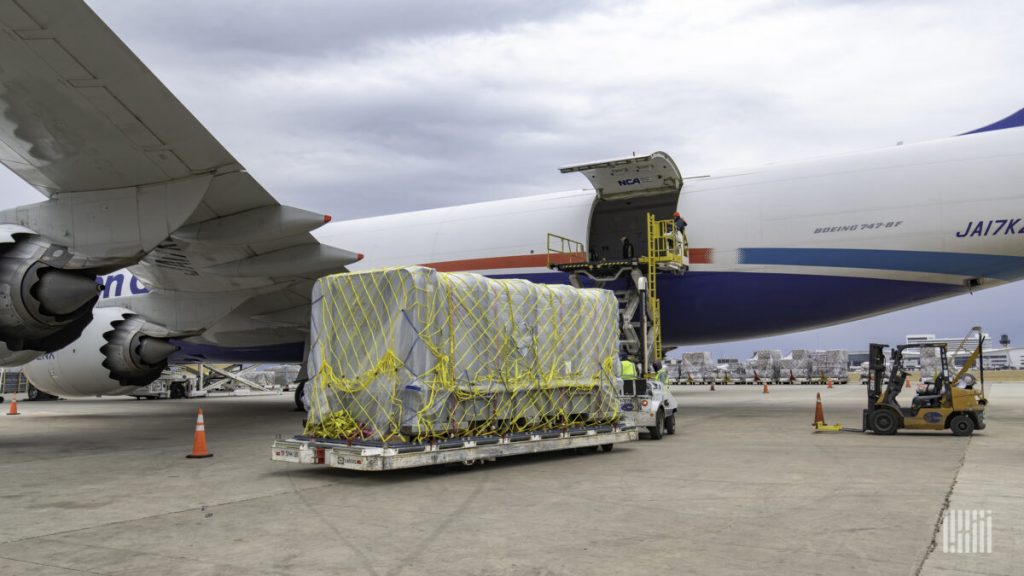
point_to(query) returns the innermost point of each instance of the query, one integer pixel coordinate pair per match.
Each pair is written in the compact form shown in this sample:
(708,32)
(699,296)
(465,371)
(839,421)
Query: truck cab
(648,404)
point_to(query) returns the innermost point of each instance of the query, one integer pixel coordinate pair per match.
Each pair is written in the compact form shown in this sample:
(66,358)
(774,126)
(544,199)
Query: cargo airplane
(198,261)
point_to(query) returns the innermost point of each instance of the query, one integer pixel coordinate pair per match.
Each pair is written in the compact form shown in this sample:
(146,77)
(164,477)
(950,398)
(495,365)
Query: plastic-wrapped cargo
(786,375)
(697,367)
(803,365)
(931,362)
(819,366)
(412,353)
(837,365)
(731,370)
(765,364)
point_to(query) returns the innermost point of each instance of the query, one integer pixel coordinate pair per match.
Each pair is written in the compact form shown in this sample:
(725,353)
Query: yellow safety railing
(661,248)
(562,250)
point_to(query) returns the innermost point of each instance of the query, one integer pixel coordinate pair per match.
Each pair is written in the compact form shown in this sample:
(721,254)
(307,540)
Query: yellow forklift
(955,402)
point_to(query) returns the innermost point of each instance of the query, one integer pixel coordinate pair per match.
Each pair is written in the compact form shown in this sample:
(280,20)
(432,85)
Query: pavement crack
(41,564)
(198,508)
(942,511)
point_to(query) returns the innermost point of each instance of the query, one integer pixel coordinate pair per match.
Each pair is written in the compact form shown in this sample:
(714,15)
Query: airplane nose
(61,293)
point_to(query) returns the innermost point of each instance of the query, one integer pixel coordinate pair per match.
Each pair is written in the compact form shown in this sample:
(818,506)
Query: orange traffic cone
(13,411)
(906,383)
(819,413)
(199,442)
(829,383)
(764,390)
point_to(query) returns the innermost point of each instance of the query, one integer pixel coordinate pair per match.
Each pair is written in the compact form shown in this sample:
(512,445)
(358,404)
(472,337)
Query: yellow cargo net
(408,354)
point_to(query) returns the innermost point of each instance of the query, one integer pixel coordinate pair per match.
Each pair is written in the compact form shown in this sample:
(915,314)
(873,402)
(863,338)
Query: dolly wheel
(299,406)
(961,425)
(883,422)
(607,447)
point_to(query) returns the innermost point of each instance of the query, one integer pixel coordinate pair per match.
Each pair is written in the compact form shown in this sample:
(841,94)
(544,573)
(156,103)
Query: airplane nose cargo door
(627,190)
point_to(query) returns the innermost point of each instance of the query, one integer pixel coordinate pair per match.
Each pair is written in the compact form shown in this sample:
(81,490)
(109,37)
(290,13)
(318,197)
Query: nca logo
(634,181)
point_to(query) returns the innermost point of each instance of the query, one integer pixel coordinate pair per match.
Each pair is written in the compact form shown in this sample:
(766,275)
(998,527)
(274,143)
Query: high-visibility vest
(628,369)
(662,375)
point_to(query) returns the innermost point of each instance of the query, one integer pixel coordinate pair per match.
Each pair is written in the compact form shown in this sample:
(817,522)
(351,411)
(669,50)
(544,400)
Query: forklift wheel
(883,422)
(961,425)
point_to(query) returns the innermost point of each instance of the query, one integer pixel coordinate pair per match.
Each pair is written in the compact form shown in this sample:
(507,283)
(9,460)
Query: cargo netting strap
(410,354)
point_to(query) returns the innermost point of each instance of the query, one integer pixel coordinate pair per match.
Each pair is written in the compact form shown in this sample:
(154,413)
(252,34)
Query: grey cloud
(312,28)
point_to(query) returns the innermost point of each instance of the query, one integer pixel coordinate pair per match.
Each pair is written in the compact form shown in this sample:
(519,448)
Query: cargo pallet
(370,456)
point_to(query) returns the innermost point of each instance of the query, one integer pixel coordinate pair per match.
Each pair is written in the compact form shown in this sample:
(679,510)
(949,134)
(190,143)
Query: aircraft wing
(81,116)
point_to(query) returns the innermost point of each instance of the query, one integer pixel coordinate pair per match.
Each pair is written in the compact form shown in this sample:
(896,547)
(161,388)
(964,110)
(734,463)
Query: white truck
(649,404)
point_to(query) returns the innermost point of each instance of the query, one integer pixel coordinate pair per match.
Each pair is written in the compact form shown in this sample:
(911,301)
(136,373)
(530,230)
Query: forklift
(957,403)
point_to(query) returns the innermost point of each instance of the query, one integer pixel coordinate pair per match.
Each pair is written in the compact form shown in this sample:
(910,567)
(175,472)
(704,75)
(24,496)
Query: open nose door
(635,176)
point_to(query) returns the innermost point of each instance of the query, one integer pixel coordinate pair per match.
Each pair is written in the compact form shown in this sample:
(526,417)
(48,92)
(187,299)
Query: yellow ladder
(661,251)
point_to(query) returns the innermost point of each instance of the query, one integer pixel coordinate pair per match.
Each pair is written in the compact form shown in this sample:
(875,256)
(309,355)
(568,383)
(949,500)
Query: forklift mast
(876,372)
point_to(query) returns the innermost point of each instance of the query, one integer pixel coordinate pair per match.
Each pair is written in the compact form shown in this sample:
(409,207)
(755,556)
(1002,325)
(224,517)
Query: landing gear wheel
(658,430)
(961,425)
(177,390)
(670,425)
(299,406)
(883,422)
(607,447)
(34,393)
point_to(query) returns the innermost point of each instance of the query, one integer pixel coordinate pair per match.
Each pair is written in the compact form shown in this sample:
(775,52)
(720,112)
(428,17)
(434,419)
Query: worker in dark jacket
(680,223)
(627,249)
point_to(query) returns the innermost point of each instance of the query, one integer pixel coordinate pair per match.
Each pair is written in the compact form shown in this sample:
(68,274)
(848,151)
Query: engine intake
(133,357)
(42,306)
(117,352)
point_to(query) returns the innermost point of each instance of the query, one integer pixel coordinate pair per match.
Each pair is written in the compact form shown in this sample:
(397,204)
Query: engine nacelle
(116,354)
(43,307)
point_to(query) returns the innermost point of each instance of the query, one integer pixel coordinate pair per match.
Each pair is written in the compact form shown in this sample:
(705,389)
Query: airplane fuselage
(774,249)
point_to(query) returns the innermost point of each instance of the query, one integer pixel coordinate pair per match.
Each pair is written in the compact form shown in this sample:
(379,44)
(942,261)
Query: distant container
(765,364)
(697,367)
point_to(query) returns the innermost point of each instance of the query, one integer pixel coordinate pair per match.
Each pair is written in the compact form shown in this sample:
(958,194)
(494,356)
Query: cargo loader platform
(370,456)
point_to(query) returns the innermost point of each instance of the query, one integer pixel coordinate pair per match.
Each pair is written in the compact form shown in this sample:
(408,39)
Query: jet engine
(117,352)
(43,307)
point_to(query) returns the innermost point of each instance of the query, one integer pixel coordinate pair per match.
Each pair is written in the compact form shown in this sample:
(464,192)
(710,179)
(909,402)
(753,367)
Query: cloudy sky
(368,107)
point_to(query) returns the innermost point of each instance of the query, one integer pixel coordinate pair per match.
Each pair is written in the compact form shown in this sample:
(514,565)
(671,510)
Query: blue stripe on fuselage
(956,264)
(703,307)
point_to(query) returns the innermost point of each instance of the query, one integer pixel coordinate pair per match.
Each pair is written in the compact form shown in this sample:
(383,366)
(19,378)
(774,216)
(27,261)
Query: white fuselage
(773,249)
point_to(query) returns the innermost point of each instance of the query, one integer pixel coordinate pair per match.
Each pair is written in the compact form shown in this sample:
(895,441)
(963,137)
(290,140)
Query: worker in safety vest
(661,373)
(627,368)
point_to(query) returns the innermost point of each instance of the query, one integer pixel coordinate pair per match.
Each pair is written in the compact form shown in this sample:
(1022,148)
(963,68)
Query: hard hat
(623,239)
(675,214)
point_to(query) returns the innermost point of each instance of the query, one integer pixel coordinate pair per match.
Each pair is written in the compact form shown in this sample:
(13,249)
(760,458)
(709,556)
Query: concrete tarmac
(102,486)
